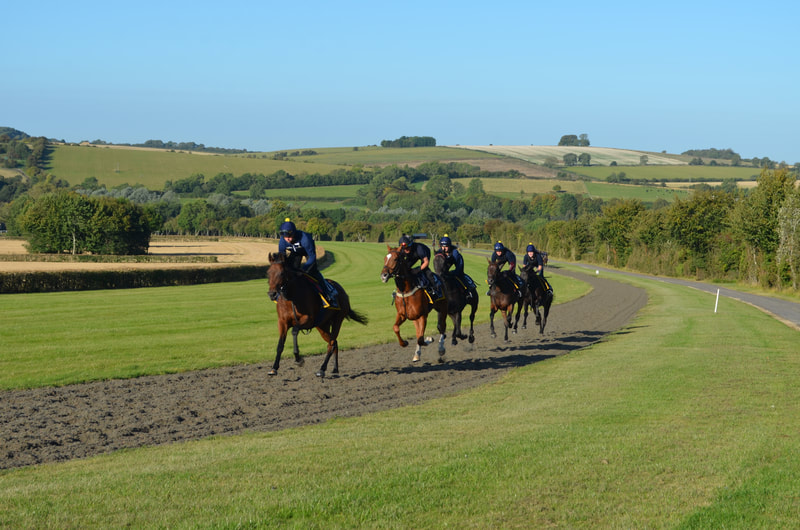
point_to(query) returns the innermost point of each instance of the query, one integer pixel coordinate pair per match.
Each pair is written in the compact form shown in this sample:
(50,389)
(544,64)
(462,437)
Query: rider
(503,255)
(300,244)
(533,264)
(453,258)
(414,252)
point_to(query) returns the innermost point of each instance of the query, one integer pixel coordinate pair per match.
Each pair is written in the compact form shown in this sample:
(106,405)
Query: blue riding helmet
(405,241)
(288,228)
(445,242)
(499,246)
(530,248)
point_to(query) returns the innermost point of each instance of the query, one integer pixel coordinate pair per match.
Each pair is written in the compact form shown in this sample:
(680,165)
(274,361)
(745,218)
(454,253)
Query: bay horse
(412,302)
(537,298)
(504,296)
(300,308)
(456,300)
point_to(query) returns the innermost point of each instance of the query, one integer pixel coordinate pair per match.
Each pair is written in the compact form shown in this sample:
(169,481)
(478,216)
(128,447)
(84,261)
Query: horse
(504,296)
(536,297)
(412,302)
(457,300)
(300,307)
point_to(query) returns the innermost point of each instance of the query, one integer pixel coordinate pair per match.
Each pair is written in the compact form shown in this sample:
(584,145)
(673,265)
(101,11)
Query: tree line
(410,141)
(720,232)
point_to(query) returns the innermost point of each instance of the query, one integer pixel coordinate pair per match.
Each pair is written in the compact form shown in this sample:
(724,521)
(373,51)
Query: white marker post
(717,302)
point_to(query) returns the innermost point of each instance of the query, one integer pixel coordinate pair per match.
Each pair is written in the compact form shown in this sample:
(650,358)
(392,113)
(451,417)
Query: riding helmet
(445,242)
(405,241)
(499,246)
(287,228)
(530,248)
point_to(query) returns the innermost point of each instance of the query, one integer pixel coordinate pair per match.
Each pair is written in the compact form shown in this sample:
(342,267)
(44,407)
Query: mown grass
(374,155)
(69,337)
(685,419)
(151,168)
(600,190)
(671,173)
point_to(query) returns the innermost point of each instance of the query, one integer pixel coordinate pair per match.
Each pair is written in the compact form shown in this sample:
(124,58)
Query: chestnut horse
(457,300)
(504,297)
(412,302)
(537,298)
(300,308)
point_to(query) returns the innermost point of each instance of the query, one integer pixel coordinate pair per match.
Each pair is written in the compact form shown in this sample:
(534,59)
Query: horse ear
(388,246)
(271,257)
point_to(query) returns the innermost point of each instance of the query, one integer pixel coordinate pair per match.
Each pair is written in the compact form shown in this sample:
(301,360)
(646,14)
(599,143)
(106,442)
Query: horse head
(439,260)
(278,274)
(491,272)
(392,264)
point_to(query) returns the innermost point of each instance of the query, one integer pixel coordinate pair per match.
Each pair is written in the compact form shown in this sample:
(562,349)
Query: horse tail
(354,315)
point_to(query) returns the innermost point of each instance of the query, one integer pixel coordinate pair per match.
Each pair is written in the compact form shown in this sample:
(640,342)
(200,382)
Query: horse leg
(472,312)
(327,336)
(397,321)
(419,325)
(507,320)
(492,311)
(279,351)
(525,306)
(442,327)
(516,320)
(297,359)
(454,339)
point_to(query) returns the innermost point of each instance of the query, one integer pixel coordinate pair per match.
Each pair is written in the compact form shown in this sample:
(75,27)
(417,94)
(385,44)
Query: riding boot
(332,294)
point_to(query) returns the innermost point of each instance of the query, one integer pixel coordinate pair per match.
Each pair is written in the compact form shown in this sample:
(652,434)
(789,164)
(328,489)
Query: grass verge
(687,418)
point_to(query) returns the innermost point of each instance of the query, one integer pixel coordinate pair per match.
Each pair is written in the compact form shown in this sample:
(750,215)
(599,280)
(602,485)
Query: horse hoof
(493,335)
(300,362)
(524,326)
(272,372)
(320,374)
(415,359)
(441,359)
(471,340)
(404,343)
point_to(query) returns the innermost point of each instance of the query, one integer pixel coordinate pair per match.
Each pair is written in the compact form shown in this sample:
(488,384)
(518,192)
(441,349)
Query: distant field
(601,190)
(151,168)
(373,155)
(538,154)
(671,173)
(511,188)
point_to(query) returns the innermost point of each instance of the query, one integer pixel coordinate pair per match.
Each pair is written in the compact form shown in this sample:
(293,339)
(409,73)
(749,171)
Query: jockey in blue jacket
(453,258)
(301,245)
(533,263)
(415,252)
(503,255)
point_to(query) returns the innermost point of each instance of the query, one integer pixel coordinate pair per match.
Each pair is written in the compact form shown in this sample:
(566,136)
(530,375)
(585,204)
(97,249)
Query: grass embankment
(151,168)
(71,337)
(685,419)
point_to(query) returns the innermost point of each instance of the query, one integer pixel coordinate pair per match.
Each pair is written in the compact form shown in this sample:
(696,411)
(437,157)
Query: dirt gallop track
(57,424)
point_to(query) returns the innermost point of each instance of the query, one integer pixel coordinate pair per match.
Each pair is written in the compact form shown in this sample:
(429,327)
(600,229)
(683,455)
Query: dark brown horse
(300,307)
(504,296)
(457,300)
(412,302)
(536,297)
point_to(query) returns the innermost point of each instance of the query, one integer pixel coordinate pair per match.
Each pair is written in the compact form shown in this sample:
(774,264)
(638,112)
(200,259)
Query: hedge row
(105,258)
(46,282)
(43,282)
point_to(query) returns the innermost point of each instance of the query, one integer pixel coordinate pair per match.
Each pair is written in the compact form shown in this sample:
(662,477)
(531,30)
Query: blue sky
(280,75)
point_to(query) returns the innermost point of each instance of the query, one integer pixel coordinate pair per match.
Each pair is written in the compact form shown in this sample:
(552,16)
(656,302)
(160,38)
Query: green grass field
(687,418)
(671,173)
(374,155)
(644,193)
(151,168)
